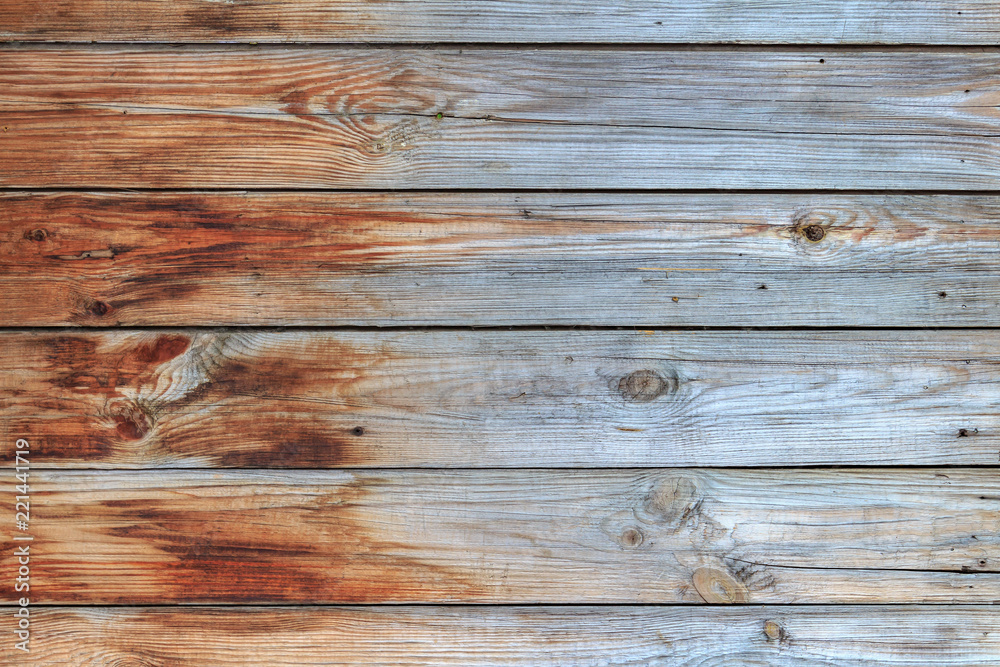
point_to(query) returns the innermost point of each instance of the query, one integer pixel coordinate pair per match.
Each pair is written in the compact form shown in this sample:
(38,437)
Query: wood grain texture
(513,118)
(682,535)
(481,399)
(498,259)
(748,636)
(502,467)
(510,398)
(775,21)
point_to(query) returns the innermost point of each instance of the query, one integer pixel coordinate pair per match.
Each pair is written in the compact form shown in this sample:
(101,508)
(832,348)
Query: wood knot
(814,224)
(36,235)
(814,233)
(774,631)
(645,385)
(718,587)
(131,421)
(98,308)
(631,538)
(674,501)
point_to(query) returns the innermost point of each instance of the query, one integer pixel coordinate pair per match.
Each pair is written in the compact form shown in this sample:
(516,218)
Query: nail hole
(357,430)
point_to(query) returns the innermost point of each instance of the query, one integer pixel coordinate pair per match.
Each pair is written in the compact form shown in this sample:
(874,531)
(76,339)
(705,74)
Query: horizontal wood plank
(514,118)
(613,636)
(498,259)
(682,535)
(514,398)
(665,21)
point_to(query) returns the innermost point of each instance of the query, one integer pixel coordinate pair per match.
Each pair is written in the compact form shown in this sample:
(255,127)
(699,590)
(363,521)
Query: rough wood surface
(664,21)
(515,118)
(748,636)
(681,535)
(498,259)
(505,466)
(500,398)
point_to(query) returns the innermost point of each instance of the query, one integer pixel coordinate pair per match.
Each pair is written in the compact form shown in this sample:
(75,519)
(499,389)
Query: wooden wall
(510,333)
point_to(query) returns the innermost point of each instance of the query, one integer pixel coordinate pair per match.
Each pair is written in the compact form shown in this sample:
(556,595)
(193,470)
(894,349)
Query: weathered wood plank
(764,536)
(397,118)
(749,635)
(481,398)
(665,21)
(498,259)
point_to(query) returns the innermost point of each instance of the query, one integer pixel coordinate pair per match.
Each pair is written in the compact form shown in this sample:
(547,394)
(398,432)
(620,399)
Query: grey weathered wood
(508,398)
(498,259)
(776,21)
(683,535)
(642,118)
(613,636)
(515,118)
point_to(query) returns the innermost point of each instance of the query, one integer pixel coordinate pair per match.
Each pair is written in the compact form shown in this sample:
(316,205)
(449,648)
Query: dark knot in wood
(131,421)
(99,308)
(814,233)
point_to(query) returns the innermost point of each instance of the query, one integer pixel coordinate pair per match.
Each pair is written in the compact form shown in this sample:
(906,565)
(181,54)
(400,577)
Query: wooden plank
(546,118)
(580,635)
(511,398)
(682,535)
(664,21)
(498,259)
